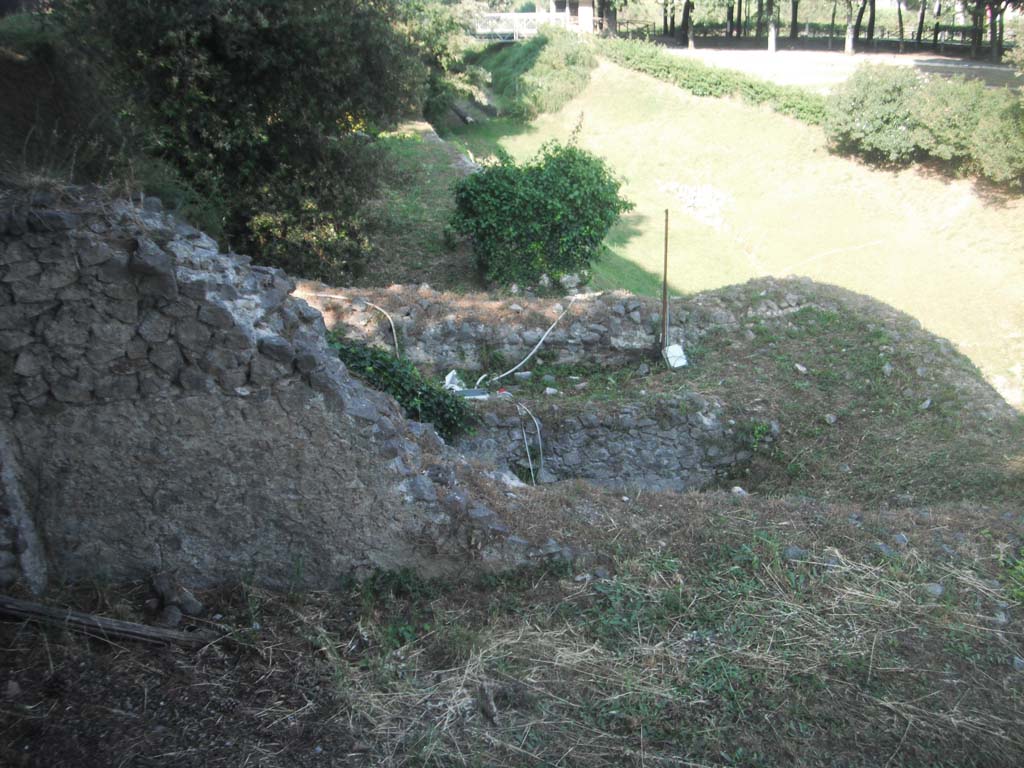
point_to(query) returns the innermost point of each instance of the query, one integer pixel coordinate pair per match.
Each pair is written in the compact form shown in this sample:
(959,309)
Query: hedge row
(702,80)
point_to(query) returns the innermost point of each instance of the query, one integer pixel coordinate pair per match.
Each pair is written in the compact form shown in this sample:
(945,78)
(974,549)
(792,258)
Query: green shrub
(1015,55)
(947,114)
(702,80)
(422,399)
(872,114)
(539,75)
(888,114)
(997,148)
(547,216)
(266,107)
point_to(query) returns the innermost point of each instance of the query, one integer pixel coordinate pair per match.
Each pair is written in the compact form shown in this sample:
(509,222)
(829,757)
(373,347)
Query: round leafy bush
(872,114)
(548,216)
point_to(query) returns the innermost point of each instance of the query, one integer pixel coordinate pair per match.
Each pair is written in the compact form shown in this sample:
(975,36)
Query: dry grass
(708,644)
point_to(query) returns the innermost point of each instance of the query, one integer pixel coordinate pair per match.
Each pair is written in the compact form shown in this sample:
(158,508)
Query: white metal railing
(517,26)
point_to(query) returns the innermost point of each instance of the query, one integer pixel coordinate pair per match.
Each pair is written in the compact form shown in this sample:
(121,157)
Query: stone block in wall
(155,327)
(117,387)
(73,390)
(166,356)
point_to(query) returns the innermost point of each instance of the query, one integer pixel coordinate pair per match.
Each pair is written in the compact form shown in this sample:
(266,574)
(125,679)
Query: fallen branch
(100,626)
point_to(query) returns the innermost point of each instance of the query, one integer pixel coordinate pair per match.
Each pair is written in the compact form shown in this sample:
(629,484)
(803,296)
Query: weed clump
(422,400)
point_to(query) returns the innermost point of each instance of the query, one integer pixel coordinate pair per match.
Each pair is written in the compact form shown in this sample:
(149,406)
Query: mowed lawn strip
(753,193)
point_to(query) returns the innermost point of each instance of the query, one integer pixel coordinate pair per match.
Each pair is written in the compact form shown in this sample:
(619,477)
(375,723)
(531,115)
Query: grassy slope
(410,217)
(932,248)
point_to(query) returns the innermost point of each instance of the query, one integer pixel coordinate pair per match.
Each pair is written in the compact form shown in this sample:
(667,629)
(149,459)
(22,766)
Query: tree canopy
(267,107)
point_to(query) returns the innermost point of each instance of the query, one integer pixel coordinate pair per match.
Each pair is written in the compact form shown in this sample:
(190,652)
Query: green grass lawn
(752,193)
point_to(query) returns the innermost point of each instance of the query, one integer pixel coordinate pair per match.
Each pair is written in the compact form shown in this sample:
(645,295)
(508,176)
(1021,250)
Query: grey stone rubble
(166,407)
(675,443)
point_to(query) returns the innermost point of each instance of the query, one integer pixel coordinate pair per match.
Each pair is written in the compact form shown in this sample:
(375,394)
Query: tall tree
(899,17)
(773,27)
(920,23)
(832,24)
(871,20)
(687,25)
(851,35)
(860,18)
(608,11)
(977,27)
(794,31)
(996,10)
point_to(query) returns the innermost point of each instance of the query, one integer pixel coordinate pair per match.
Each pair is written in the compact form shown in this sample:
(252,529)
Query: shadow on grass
(483,140)
(614,272)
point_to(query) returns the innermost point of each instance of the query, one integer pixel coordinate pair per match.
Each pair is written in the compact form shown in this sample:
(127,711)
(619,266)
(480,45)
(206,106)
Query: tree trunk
(672,22)
(935,33)
(871,20)
(728,22)
(993,33)
(1002,24)
(860,18)
(611,21)
(739,18)
(773,31)
(832,24)
(794,32)
(976,29)
(851,34)
(664,19)
(688,33)
(899,21)
(759,30)
(920,24)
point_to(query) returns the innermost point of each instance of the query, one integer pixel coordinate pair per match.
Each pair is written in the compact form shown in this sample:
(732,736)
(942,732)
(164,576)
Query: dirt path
(823,70)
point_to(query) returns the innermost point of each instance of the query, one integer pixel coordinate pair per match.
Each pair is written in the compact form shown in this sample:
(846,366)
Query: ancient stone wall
(675,443)
(164,406)
(471,331)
